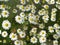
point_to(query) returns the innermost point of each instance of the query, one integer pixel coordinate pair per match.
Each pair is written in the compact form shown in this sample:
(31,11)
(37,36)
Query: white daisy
(6,25)
(46,6)
(4,34)
(47,0)
(22,14)
(55,42)
(21,7)
(55,36)
(33,40)
(13,36)
(58,32)
(53,13)
(27,8)
(14,10)
(56,26)
(18,31)
(52,1)
(2,7)
(23,2)
(33,11)
(34,30)
(36,1)
(53,19)
(54,9)
(51,29)
(5,13)
(32,6)
(41,26)
(42,39)
(42,33)
(58,2)
(40,12)
(17,42)
(58,6)
(22,34)
(19,19)
(45,17)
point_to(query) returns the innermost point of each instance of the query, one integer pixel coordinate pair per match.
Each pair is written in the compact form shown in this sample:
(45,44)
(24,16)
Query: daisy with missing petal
(42,39)
(17,42)
(5,13)
(4,34)
(36,1)
(33,40)
(13,36)
(6,25)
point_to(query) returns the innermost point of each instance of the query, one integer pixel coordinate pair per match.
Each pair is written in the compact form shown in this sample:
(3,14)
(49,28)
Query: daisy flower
(4,34)
(22,34)
(19,19)
(42,39)
(42,33)
(17,42)
(2,6)
(21,7)
(23,2)
(34,30)
(13,36)
(55,36)
(33,40)
(41,26)
(55,42)
(22,14)
(5,13)
(51,29)
(14,10)
(46,6)
(56,26)
(36,1)
(6,25)
(18,30)
(27,8)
